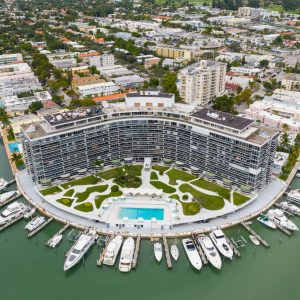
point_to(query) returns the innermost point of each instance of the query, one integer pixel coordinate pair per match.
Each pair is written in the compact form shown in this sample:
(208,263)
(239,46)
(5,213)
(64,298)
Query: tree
(169,84)
(264,63)
(4,119)
(291,4)
(225,103)
(35,106)
(253,3)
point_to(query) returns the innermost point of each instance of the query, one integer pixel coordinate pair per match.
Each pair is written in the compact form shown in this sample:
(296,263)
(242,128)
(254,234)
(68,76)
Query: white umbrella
(125,218)
(140,219)
(153,219)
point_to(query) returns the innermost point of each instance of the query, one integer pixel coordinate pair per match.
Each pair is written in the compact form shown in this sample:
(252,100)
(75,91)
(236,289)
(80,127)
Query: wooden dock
(232,246)
(202,255)
(251,231)
(167,252)
(11,199)
(12,222)
(32,233)
(101,258)
(62,230)
(136,251)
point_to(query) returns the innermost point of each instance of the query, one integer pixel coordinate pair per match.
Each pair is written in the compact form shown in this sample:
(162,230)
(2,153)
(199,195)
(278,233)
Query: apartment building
(291,82)
(172,52)
(11,58)
(201,82)
(95,59)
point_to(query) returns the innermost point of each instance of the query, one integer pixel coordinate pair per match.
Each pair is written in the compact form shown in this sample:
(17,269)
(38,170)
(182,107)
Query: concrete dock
(251,231)
(167,252)
(201,253)
(136,251)
(101,257)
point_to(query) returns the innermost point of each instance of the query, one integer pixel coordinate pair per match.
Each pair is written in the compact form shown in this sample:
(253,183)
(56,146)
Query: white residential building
(11,58)
(103,88)
(280,160)
(201,82)
(291,82)
(246,70)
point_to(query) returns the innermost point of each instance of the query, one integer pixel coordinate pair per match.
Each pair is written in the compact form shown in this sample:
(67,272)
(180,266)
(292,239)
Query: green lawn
(175,196)
(66,201)
(176,174)
(190,209)
(89,180)
(99,199)
(239,199)
(51,190)
(84,195)
(162,186)
(153,176)
(207,185)
(85,207)
(207,201)
(113,173)
(160,169)
(69,193)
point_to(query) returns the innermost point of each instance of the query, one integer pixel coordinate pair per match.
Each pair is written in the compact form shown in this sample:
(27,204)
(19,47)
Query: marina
(256,235)
(60,232)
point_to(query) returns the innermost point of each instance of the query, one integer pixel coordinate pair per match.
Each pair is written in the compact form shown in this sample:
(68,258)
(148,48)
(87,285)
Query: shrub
(194,207)
(224,194)
(185,197)
(114,188)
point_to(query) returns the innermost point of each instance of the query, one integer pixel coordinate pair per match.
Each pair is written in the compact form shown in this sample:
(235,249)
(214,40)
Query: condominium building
(253,12)
(291,82)
(201,82)
(174,52)
(220,145)
(11,58)
(95,59)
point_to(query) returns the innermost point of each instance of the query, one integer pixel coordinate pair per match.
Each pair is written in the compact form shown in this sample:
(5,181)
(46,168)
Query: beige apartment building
(291,82)
(171,52)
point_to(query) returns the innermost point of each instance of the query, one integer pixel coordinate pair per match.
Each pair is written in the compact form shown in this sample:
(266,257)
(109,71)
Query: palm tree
(98,164)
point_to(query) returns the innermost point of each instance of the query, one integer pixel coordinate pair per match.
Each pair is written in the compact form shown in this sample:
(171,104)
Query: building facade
(174,52)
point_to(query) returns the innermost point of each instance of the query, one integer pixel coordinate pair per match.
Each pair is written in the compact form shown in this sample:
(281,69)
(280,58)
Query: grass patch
(128,181)
(176,174)
(190,209)
(135,170)
(207,201)
(89,180)
(69,193)
(99,199)
(65,201)
(239,199)
(162,186)
(160,169)
(51,190)
(110,174)
(210,186)
(85,207)
(175,196)
(84,195)
(153,176)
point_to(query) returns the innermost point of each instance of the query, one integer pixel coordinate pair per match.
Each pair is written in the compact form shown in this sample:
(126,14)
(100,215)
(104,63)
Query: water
(30,271)
(14,147)
(146,213)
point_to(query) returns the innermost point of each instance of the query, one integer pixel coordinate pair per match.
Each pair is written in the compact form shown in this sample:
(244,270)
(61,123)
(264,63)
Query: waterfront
(31,271)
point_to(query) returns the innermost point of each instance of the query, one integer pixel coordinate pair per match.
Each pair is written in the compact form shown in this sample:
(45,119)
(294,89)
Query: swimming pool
(146,213)
(14,147)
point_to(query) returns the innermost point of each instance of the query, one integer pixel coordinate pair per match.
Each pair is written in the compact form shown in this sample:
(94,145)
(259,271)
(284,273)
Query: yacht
(3,184)
(210,251)
(30,213)
(294,196)
(55,241)
(174,252)
(221,242)
(127,255)
(158,251)
(278,217)
(6,196)
(192,253)
(266,221)
(35,223)
(81,246)
(12,211)
(112,250)
(290,207)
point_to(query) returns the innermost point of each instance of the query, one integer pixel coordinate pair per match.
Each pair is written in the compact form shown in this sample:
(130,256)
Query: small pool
(14,147)
(146,213)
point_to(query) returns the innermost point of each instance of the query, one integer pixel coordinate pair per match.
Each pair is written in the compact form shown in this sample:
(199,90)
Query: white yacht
(55,241)
(6,196)
(174,252)
(220,240)
(12,211)
(112,250)
(35,223)
(127,255)
(30,213)
(278,217)
(81,246)
(192,253)
(210,251)
(158,251)
(3,184)
(290,207)
(294,196)
(266,221)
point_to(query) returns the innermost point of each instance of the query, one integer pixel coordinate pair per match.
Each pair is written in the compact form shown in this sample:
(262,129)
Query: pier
(32,233)
(12,222)
(136,251)
(251,231)
(11,182)
(284,230)
(232,246)
(62,230)
(11,199)
(202,255)
(167,252)
(101,258)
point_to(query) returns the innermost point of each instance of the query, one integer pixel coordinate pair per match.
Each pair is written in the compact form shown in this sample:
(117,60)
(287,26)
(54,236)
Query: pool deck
(266,198)
(8,153)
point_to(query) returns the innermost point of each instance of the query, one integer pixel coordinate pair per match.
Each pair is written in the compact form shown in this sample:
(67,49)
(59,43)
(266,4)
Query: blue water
(145,213)
(13,147)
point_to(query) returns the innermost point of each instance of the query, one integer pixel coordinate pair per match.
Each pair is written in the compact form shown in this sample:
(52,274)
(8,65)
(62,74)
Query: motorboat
(30,213)
(174,252)
(127,255)
(278,217)
(55,241)
(254,240)
(35,223)
(290,207)
(3,184)
(158,251)
(81,246)
(6,196)
(112,250)
(266,221)
(192,253)
(294,196)
(210,251)
(12,211)
(221,242)
(298,174)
